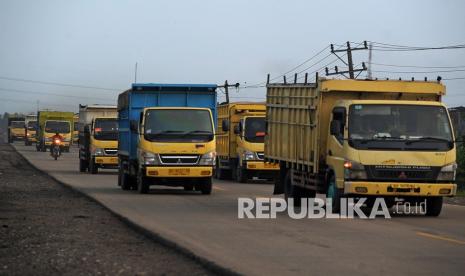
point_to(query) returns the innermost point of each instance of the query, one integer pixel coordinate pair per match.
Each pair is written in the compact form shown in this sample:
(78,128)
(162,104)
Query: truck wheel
(143,184)
(43,149)
(93,168)
(335,194)
(82,165)
(241,174)
(10,140)
(124,180)
(295,192)
(204,186)
(433,206)
(37,148)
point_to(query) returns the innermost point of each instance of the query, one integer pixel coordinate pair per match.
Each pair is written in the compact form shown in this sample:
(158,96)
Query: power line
(396,46)
(458,78)
(60,84)
(51,94)
(417,66)
(419,72)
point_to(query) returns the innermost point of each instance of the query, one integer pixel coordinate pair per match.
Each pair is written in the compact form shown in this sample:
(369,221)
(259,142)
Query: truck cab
(240,145)
(16,130)
(53,127)
(167,136)
(392,148)
(103,144)
(30,133)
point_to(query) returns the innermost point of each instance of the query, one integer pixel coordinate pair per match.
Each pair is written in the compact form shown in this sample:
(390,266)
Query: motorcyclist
(55,137)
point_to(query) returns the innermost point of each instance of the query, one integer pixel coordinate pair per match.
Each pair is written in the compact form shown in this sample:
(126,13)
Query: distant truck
(50,123)
(167,136)
(30,129)
(362,138)
(240,143)
(98,138)
(15,129)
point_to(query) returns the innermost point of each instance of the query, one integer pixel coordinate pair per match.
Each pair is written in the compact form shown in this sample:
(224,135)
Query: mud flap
(280,180)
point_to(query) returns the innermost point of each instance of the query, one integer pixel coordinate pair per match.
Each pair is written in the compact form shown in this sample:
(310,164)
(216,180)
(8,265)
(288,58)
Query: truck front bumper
(262,166)
(179,172)
(106,160)
(399,188)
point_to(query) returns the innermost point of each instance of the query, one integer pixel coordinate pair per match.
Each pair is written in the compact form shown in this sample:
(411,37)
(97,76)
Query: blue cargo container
(143,95)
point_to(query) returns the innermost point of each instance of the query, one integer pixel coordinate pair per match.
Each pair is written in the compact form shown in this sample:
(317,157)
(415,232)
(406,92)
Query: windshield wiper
(164,132)
(430,138)
(198,132)
(383,138)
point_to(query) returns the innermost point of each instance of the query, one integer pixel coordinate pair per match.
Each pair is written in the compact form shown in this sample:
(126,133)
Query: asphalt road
(208,226)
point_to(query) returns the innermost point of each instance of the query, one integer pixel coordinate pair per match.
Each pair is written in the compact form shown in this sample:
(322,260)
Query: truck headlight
(248,155)
(99,151)
(150,158)
(447,173)
(354,170)
(208,159)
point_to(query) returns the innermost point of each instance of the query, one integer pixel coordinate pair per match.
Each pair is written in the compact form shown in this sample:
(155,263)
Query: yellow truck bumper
(400,189)
(106,160)
(262,166)
(31,139)
(187,172)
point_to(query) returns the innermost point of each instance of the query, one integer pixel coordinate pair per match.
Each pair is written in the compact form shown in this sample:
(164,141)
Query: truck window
(31,125)
(254,129)
(339,115)
(399,127)
(106,129)
(17,124)
(57,126)
(178,125)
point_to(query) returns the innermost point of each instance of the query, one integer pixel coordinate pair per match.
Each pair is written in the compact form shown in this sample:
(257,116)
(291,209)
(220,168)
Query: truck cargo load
(98,137)
(362,138)
(167,136)
(240,142)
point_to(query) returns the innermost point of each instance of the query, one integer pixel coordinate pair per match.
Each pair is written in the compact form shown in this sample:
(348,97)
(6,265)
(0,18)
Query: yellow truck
(362,138)
(50,123)
(30,129)
(240,142)
(98,138)
(15,129)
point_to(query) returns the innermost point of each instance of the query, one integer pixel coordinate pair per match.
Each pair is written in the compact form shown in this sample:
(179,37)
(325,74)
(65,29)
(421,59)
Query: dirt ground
(47,229)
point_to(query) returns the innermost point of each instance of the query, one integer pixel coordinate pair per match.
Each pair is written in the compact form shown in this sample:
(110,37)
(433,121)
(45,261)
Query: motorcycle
(55,149)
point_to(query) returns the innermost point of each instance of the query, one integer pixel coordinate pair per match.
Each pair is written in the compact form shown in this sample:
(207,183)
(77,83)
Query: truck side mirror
(335,128)
(134,125)
(225,125)
(87,129)
(237,130)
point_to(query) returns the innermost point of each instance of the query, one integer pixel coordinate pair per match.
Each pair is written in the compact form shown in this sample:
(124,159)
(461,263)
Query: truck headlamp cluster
(98,152)
(248,155)
(150,158)
(447,173)
(208,159)
(354,171)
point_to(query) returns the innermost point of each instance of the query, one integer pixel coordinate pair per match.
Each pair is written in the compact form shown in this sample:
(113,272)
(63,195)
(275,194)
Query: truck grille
(185,159)
(261,155)
(402,173)
(111,151)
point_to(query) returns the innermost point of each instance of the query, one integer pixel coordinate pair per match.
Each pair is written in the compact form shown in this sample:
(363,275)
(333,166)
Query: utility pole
(349,62)
(370,50)
(226,88)
(135,73)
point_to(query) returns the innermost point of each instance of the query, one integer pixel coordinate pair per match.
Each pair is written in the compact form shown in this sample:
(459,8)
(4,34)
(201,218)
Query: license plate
(178,171)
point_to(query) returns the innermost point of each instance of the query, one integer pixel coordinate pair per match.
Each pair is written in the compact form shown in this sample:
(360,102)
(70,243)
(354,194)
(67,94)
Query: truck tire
(220,174)
(143,184)
(335,194)
(295,192)
(124,180)
(241,174)
(37,147)
(82,165)
(204,186)
(93,168)
(43,148)
(433,206)
(10,140)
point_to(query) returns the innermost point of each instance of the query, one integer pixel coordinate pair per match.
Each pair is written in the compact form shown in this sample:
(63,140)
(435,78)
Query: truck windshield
(106,129)
(17,124)
(399,127)
(182,125)
(57,126)
(31,125)
(254,130)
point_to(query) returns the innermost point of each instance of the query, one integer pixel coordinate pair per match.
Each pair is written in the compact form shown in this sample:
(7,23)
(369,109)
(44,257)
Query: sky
(97,44)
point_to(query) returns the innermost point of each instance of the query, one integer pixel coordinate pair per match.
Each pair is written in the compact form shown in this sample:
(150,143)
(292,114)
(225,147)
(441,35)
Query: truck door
(335,155)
